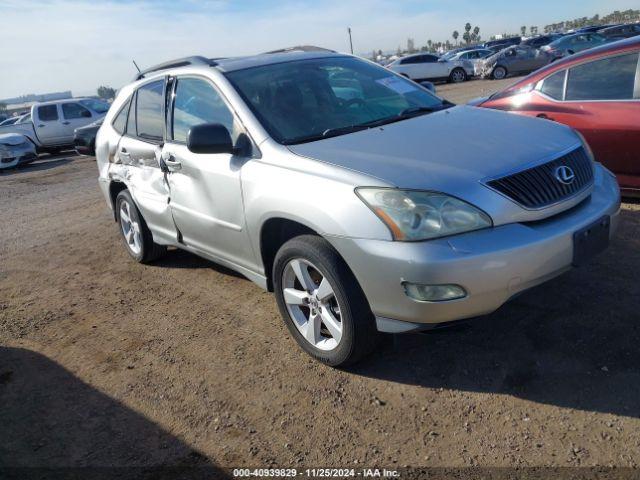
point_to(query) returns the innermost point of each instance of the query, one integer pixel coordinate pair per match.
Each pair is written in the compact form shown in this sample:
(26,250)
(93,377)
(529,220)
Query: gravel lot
(104,362)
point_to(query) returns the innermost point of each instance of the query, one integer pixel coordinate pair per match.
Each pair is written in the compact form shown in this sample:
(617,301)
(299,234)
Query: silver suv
(364,201)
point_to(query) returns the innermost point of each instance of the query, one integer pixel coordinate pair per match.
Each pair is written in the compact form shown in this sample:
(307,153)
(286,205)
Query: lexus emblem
(564,175)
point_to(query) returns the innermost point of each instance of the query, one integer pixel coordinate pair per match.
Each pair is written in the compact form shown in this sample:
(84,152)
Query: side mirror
(209,138)
(429,86)
(86,113)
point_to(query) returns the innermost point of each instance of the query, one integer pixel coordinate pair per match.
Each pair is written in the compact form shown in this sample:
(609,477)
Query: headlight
(419,215)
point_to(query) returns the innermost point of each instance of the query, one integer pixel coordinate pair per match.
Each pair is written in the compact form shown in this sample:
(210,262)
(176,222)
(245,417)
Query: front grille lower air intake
(539,186)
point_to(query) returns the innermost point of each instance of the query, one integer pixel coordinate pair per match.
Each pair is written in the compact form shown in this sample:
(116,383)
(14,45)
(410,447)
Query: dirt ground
(104,362)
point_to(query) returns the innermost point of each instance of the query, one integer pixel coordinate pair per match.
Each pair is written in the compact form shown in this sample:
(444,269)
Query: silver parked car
(16,150)
(513,60)
(346,189)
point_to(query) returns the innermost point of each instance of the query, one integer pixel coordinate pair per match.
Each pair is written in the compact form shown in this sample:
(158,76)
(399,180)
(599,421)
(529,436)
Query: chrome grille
(538,187)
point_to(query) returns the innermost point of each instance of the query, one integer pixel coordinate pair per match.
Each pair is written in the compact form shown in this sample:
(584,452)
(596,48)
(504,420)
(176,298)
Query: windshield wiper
(334,132)
(411,111)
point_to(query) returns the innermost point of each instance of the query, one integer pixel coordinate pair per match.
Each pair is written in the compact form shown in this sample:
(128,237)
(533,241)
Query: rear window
(553,85)
(607,79)
(72,111)
(48,113)
(97,106)
(150,111)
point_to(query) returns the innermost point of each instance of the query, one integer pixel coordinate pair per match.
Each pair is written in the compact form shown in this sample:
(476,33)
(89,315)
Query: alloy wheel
(457,76)
(312,304)
(130,228)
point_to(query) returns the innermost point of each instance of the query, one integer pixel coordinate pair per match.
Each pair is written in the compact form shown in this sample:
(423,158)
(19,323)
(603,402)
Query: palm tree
(476,34)
(455,36)
(523,30)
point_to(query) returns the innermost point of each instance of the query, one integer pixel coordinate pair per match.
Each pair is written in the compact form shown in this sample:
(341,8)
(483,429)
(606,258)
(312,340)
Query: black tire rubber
(150,250)
(464,79)
(359,334)
(506,73)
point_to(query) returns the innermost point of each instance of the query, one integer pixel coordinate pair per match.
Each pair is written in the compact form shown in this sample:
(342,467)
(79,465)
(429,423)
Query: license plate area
(590,241)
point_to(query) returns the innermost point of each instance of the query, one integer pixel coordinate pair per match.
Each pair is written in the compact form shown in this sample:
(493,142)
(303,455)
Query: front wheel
(322,303)
(458,75)
(499,73)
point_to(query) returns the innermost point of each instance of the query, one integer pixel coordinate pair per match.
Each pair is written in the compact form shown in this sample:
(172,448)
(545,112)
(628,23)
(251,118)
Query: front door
(600,99)
(206,194)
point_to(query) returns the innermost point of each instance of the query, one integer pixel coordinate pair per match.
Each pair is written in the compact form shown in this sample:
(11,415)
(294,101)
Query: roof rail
(179,62)
(301,48)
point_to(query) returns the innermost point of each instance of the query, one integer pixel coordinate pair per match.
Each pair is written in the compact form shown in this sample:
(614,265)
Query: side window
(48,113)
(150,111)
(197,102)
(553,85)
(72,111)
(131,119)
(607,79)
(120,122)
(429,59)
(411,60)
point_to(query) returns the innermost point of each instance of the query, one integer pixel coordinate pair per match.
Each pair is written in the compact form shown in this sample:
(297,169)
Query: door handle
(65,123)
(124,154)
(172,164)
(41,125)
(546,117)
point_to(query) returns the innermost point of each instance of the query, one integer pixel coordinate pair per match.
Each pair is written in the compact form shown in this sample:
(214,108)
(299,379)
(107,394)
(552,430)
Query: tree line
(471,35)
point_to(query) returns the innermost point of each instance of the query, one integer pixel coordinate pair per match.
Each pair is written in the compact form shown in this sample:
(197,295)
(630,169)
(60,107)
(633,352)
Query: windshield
(96,105)
(308,100)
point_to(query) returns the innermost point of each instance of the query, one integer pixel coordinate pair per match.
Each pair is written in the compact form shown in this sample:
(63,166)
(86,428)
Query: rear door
(139,152)
(74,115)
(48,124)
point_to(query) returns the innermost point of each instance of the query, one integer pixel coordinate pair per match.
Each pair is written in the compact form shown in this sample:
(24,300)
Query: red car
(597,92)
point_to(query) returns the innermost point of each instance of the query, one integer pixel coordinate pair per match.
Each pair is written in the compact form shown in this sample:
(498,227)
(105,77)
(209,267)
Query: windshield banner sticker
(396,84)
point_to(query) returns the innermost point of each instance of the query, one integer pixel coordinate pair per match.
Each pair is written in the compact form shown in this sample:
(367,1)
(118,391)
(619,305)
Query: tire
(345,309)
(139,243)
(499,73)
(457,75)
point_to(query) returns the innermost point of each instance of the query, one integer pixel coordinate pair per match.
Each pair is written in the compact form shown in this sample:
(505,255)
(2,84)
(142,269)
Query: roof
(241,63)
(289,54)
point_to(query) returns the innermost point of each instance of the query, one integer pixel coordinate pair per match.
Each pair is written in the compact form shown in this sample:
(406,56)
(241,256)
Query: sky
(78,45)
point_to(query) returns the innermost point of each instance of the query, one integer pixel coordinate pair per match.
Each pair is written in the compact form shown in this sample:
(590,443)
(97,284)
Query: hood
(450,151)
(12,139)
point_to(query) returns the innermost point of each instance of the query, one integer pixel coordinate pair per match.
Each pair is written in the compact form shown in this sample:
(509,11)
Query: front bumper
(492,265)
(18,155)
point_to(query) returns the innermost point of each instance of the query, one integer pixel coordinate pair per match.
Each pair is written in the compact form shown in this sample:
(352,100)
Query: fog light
(433,293)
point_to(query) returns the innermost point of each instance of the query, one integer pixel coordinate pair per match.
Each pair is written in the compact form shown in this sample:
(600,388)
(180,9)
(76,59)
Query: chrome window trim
(636,92)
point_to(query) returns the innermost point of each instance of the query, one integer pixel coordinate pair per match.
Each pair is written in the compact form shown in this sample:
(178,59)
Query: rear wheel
(458,75)
(136,236)
(499,73)
(321,302)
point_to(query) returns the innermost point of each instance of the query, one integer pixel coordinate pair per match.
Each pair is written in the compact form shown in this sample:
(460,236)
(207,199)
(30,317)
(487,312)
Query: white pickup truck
(52,123)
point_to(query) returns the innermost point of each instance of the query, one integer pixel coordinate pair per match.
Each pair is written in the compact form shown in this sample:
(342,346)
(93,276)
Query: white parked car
(50,125)
(425,66)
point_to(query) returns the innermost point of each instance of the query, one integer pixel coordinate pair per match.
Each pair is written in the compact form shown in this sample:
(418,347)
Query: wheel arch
(115,187)
(274,233)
